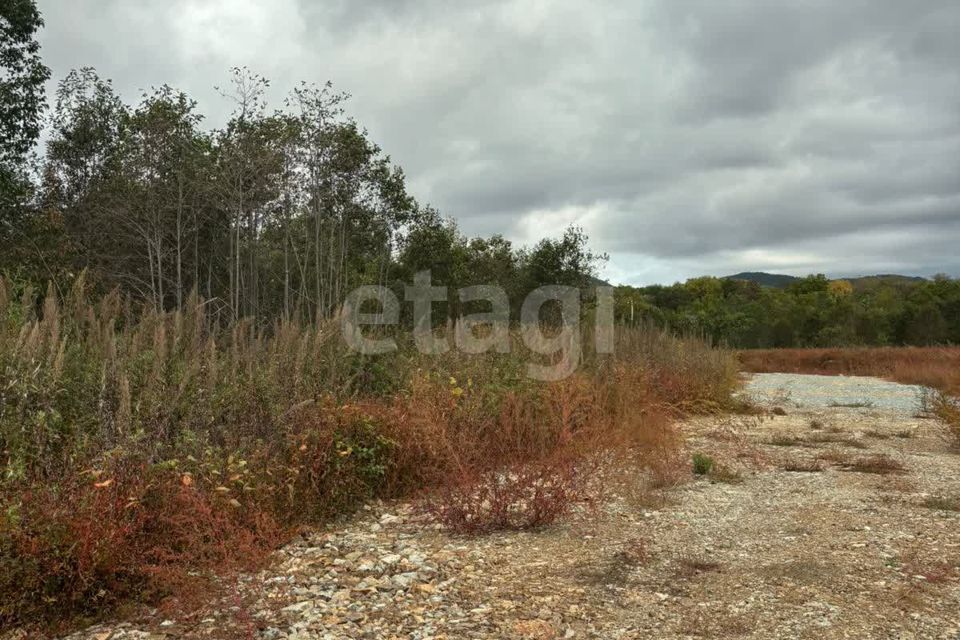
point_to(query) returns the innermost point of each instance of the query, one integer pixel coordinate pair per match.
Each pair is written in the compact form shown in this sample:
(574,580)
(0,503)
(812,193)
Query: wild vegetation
(139,449)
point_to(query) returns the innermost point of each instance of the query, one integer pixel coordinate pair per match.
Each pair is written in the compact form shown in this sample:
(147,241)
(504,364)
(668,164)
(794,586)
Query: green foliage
(22,97)
(702,464)
(809,312)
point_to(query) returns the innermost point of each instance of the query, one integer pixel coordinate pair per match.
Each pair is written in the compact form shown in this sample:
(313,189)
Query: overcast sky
(688,137)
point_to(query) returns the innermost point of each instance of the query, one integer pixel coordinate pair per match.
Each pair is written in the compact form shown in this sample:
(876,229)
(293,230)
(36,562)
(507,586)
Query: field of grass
(142,452)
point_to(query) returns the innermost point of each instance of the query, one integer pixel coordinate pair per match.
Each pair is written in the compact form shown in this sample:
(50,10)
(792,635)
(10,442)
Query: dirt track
(842,545)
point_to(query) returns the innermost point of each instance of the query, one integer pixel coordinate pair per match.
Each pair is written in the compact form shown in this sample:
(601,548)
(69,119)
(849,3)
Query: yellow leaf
(235,502)
(222,489)
(104,484)
(186,480)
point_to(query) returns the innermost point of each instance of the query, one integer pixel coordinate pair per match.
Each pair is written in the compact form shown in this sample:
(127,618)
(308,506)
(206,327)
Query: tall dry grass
(140,449)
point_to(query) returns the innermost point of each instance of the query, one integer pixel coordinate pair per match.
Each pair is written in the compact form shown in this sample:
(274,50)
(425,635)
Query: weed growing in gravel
(784,440)
(633,553)
(702,464)
(924,577)
(780,396)
(724,475)
(802,465)
(640,495)
(880,464)
(858,404)
(837,439)
(836,456)
(947,408)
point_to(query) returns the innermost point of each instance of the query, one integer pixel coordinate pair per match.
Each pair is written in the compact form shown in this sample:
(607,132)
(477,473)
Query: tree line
(280,212)
(283,210)
(810,312)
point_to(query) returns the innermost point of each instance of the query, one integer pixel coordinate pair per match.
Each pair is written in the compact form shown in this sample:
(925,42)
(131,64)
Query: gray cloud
(687,136)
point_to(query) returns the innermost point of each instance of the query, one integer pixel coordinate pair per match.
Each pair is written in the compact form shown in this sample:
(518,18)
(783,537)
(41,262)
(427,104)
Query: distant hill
(776,280)
(780,281)
(864,282)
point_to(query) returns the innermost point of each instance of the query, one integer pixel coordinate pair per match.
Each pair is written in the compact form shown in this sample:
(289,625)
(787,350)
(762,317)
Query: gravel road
(827,522)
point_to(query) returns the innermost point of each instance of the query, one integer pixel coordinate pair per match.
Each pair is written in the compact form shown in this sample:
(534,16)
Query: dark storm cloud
(687,136)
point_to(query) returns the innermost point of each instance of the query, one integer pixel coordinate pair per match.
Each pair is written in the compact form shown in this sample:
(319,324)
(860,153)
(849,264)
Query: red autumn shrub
(525,496)
(99,537)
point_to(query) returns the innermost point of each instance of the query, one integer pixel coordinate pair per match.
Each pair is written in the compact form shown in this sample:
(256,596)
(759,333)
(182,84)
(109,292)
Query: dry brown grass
(936,367)
(880,464)
(802,465)
(837,438)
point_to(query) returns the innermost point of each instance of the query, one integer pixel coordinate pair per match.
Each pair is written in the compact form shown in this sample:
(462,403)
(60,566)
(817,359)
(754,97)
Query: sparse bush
(615,570)
(835,455)
(523,497)
(880,464)
(856,404)
(702,464)
(836,438)
(947,408)
(784,440)
(801,465)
